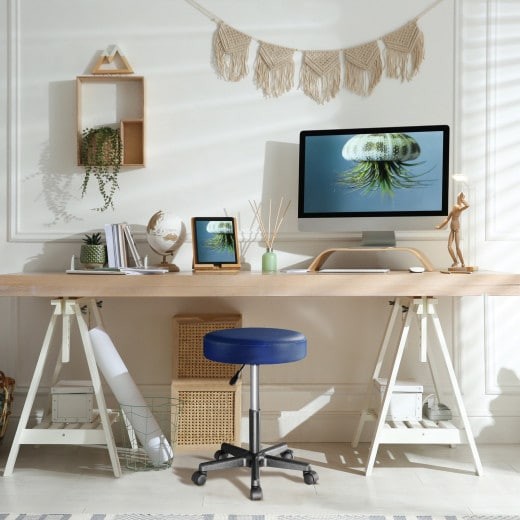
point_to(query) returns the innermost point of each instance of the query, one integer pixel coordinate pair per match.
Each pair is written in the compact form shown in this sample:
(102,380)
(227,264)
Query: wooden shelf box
(116,101)
(132,137)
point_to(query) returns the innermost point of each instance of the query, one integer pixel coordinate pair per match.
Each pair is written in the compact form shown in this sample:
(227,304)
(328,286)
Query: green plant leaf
(101,154)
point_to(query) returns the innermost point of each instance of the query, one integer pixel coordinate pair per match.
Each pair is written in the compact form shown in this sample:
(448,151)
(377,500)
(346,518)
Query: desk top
(253,284)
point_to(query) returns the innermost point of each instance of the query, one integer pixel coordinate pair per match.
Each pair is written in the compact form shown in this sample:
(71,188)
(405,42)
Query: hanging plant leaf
(101,154)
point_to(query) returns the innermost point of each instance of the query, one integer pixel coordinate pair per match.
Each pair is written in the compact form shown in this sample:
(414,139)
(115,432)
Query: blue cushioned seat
(254,346)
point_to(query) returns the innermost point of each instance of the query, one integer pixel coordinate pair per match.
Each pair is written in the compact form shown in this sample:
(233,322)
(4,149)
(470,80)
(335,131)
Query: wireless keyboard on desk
(357,270)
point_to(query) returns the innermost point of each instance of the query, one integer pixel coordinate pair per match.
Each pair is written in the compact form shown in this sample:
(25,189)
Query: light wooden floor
(435,480)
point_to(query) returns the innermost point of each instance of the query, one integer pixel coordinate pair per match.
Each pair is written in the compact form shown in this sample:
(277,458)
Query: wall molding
(491,318)
(14,149)
(479,23)
(336,423)
(492,229)
(13,115)
(491,94)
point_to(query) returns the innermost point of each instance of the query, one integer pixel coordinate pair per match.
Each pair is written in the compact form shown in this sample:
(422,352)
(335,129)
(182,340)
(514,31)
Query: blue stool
(254,347)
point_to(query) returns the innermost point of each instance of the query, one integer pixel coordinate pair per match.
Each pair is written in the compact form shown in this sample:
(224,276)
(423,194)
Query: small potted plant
(101,154)
(93,253)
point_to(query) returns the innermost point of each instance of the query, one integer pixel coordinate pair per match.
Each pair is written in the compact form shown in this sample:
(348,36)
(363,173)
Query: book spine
(131,247)
(109,239)
(121,246)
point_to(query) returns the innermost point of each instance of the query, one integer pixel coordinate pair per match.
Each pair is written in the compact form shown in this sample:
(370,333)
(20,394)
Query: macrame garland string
(320,75)
(320,72)
(274,69)
(363,68)
(404,51)
(231,51)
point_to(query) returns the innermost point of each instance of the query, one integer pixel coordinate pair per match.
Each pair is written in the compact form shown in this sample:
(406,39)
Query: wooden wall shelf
(116,101)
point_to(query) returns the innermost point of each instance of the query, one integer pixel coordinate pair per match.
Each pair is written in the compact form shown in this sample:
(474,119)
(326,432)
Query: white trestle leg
(414,432)
(99,431)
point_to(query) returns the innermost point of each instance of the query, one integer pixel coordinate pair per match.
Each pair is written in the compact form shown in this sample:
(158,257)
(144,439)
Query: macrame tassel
(320,75)
(363,68)
(274,69)
(404,51)
(231,50)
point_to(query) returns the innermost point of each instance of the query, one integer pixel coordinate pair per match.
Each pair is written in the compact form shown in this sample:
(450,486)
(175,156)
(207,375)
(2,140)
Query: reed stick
(269,235)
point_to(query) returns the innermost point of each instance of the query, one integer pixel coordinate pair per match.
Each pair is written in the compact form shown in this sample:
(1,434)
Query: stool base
(277,456)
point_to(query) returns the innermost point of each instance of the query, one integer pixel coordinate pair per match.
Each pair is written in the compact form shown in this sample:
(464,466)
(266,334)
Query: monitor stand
(378,239)
(318,262)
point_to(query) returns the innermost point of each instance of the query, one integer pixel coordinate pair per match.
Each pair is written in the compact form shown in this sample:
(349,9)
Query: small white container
(73,402)
(406,401)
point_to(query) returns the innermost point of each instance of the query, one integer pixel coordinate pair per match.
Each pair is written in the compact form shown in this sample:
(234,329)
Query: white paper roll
(130,399)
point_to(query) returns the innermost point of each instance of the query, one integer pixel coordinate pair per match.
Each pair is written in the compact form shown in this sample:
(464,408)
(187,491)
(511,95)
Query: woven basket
(6,398)
(211,412)
(188,356)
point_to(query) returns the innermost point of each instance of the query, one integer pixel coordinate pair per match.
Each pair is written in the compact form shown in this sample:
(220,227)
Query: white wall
(211,147)
(489,154)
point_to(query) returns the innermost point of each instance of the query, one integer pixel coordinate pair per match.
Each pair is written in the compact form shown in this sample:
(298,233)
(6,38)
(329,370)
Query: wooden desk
(414,291)
(252,284)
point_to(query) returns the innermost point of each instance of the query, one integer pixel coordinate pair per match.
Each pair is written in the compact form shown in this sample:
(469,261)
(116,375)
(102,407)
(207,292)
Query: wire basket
(149,433)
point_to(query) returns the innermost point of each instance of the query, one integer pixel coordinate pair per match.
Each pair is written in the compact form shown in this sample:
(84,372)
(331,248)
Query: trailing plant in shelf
(101,155)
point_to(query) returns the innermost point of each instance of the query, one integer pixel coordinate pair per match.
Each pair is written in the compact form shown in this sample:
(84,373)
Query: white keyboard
(359,270)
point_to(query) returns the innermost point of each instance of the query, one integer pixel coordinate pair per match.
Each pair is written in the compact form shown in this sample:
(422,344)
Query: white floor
(431,480)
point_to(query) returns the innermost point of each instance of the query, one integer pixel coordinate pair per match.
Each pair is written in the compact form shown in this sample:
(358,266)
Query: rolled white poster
(130,398)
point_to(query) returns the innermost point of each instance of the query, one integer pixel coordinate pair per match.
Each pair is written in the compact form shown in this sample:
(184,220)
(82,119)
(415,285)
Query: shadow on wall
(281,176)
(60,175)
(56,165)
(56,255)
(280,179)
(501,409)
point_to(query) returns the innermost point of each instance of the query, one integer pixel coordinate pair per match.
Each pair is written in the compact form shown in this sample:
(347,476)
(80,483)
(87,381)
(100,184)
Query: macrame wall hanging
(398,53)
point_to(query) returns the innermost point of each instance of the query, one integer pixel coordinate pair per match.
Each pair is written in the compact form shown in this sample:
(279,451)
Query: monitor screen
(373,179)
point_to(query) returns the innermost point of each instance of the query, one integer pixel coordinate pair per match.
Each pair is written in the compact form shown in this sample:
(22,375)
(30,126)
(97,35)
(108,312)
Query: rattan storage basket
(211,412)
(188,357)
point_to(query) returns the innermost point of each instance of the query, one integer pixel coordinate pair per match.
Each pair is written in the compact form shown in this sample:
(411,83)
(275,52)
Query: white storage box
(406,402)
(72,402)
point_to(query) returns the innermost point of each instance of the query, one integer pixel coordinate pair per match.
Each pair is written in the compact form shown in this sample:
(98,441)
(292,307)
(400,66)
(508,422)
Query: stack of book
(121,248)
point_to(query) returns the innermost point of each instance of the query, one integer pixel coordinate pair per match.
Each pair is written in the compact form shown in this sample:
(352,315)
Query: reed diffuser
(269,231)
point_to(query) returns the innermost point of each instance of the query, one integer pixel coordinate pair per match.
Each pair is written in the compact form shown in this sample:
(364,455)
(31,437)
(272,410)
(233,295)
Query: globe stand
(165,235)
(172,268)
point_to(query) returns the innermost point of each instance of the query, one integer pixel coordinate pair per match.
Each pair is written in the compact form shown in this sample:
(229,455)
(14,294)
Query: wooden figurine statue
(458,264)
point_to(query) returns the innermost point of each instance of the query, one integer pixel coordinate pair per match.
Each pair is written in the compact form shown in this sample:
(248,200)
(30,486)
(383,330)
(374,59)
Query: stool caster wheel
(220,454)
(199,478)
(256,493)
(310,477)
(287,455)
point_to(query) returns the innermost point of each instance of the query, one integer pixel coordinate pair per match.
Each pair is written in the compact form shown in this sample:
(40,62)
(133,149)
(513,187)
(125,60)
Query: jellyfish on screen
(382,163)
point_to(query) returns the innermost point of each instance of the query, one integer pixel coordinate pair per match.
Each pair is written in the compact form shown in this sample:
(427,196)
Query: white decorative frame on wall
(13,118)
(488,233)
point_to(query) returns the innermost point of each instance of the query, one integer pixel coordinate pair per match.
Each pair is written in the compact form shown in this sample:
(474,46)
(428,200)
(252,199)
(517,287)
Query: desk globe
(165,234)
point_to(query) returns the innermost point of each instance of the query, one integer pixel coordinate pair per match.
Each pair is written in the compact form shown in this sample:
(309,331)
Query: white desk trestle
(97,432)
(68,291)
(414,432)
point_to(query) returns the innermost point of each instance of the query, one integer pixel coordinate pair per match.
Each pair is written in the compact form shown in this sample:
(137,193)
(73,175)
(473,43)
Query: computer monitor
(373,180)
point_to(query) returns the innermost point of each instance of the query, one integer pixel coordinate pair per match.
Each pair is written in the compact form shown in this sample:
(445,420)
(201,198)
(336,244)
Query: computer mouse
(416,269)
